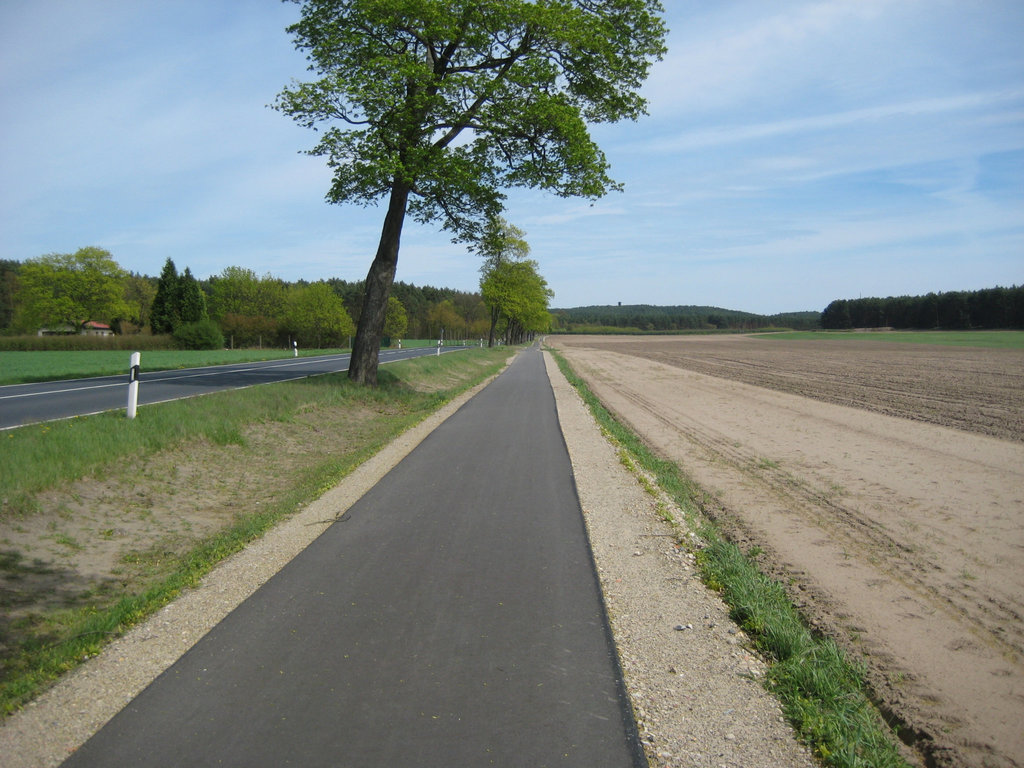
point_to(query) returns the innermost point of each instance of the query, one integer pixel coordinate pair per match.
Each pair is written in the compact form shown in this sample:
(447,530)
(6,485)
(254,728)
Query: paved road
(451,618)
(22,404)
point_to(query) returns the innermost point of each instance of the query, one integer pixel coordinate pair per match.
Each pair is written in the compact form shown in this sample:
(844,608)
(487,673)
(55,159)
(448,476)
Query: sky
(795,152)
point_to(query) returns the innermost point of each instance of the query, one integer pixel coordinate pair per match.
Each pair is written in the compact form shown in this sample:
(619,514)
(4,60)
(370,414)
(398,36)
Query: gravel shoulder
(695,689)
(694,683)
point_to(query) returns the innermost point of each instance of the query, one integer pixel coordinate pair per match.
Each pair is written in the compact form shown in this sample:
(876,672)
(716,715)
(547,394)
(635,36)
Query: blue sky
(796,152)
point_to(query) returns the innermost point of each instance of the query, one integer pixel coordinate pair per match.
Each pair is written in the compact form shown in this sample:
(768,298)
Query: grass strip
(25,366)
(409,392)
(982,339)
(822,693)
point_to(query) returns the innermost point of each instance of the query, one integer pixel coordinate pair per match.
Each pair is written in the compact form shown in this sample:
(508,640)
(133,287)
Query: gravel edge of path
(693,680)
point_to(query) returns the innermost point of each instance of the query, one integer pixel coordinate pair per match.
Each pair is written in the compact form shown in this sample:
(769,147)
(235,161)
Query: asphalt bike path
(451,617)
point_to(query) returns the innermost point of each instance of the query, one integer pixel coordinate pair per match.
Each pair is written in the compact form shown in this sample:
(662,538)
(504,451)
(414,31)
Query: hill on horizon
(652,318)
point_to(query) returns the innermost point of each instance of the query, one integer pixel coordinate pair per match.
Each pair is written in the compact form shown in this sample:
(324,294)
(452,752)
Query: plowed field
(884,484)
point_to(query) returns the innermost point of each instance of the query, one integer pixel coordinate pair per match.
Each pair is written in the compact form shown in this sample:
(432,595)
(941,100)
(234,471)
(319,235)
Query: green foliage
(179,300)
(139,294)
(396,323)
(501,242)
(988,308)
(459,100)
(316,316)
(8,291)
(644,318)
(165,314)
(70,289)
(239,291)
(192,300)
(76,344)
(438,106)
(202,334)
(516,292)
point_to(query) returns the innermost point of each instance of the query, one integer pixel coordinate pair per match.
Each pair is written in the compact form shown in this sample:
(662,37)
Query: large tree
(517,294)
(71,289)
(501,243)
(317,316)
(396,321)
(241,292)
(165,312)
(192,299)
(437,105)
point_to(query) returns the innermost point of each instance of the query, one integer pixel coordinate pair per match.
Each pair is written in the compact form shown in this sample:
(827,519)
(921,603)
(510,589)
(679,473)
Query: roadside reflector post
(133,384)
(295,346)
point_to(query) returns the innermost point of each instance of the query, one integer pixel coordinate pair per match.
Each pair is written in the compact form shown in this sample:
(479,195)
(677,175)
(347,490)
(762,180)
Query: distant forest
(644,318)
(957,310)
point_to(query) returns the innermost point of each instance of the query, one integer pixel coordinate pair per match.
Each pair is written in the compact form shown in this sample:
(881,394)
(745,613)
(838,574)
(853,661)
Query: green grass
(40,457)
(22,367)
(986,339)
(822,693)
(18,367)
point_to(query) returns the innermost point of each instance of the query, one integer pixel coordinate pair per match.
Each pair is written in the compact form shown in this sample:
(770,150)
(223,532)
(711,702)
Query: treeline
(59,293)
(644,318)
(461,314)
(957,310)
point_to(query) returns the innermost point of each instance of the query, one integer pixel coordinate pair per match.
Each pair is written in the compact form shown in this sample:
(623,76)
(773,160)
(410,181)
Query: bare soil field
(884,486)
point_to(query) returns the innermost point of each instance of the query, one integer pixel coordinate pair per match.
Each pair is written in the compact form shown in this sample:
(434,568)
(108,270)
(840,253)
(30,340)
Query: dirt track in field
(884,484)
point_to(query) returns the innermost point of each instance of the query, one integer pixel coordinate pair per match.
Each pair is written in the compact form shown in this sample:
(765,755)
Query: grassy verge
(22,367)
(50,365)
(34,459)
(986,339)
(822,693)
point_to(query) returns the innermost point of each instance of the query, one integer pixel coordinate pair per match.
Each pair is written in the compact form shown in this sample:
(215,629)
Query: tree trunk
(366,347)
(495,314)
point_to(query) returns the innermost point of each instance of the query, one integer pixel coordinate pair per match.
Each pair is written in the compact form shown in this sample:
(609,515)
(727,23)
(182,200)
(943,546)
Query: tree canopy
(500,244)
(437,105)
(397,321)
(997,307)
(316,316)
(517,294)
(71,289)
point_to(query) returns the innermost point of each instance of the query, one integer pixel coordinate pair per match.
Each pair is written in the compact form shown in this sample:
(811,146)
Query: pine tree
(192,300)
(164,314)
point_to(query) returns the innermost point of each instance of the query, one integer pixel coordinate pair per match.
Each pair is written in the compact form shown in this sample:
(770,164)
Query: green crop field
(987,339)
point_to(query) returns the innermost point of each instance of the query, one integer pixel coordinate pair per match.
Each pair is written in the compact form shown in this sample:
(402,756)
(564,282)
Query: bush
(138,342)
(202,334)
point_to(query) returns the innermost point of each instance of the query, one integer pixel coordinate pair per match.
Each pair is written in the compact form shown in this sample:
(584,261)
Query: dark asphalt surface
(451,618)
(22,404)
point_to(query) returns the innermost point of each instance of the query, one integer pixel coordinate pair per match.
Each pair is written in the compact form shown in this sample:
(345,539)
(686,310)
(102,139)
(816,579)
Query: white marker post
(295,346)
(133,384)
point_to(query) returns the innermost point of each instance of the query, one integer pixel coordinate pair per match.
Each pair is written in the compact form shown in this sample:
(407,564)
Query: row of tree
(958,310)
(60,292)
(644,318)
